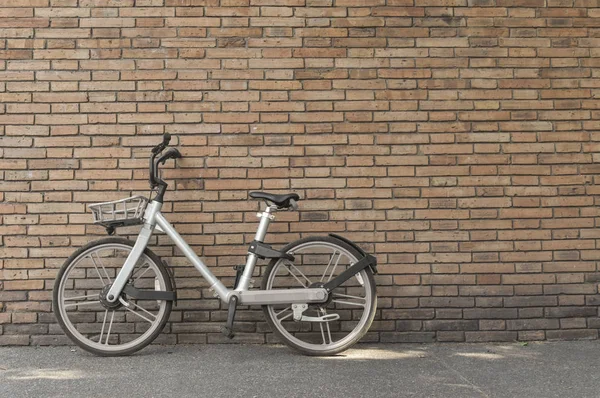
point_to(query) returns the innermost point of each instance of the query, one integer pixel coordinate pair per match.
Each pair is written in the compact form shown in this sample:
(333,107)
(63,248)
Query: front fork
(137,251)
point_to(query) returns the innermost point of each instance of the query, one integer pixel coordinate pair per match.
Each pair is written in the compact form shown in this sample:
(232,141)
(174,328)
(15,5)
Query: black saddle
(279,200)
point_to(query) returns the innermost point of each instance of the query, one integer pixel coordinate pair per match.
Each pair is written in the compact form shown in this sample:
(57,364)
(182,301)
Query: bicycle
(114,296)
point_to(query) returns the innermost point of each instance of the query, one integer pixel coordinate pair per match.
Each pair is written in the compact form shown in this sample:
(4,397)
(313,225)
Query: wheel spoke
(80,297)
(348,296)
(143,309)
(328,332)
(334,266)
(289,267)
(101,265)
(329,264)
(146,269)
(360,301)
(102,330)
(289,308)
(283,310)
(112,317)
(96,267)
(348,303)
(138,314)
(82,303)
(285,317)
(323,334)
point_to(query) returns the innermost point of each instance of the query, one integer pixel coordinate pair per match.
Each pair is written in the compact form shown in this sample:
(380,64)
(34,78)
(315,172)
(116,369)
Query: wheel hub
(329,296)
(104,301)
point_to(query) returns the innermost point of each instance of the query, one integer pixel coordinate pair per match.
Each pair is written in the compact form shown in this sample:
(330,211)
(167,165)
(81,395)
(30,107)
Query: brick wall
(455,139)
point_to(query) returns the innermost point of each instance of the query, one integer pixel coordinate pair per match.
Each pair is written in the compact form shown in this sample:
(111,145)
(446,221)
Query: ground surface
(563,369)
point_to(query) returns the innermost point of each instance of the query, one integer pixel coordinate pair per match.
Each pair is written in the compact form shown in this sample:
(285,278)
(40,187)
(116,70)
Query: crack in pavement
(453,370)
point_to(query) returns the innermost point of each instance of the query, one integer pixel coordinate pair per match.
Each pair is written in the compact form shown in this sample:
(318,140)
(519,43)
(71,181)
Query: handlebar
(162,145)
(172,153)
(155,180)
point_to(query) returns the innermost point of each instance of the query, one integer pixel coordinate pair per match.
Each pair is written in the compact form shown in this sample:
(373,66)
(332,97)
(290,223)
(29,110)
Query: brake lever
(160,147)
(157,148)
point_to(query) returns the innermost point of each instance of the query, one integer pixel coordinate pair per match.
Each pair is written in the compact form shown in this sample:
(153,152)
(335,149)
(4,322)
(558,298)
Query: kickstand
(227,330)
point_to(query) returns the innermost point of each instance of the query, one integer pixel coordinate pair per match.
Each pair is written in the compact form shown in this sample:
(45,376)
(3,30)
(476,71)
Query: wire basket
(118,213)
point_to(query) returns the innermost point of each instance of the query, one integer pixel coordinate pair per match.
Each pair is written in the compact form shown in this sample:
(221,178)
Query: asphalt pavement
(558,369)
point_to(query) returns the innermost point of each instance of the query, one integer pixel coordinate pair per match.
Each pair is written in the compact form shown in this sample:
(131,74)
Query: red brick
(454,148)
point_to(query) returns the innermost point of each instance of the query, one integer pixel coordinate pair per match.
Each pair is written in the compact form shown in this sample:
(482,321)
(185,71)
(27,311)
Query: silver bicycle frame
(154,219)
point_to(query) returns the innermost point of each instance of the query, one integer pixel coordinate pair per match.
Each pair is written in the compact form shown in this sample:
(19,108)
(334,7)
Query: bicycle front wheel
(103,328)
(348,314)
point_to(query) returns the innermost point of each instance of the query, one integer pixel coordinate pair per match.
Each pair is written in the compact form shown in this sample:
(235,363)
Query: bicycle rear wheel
(350,310)
(103,328)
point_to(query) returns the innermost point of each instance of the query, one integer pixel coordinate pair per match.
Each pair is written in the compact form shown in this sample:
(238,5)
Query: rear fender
(372,263)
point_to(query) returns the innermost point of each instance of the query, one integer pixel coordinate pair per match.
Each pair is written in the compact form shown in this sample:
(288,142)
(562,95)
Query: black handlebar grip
(166,138)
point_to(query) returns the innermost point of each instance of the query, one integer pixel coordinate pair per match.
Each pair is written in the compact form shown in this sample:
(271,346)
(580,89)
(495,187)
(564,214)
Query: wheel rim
(85,317)
(346,301)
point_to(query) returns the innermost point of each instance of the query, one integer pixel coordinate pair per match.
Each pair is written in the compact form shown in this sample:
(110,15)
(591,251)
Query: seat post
(265,219)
